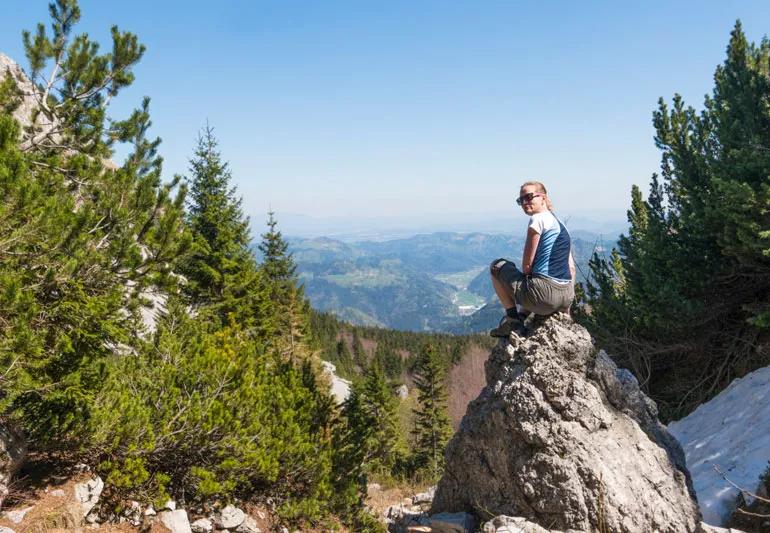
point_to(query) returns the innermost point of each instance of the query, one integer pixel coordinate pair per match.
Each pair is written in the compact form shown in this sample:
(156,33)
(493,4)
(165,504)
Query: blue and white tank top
(553,250)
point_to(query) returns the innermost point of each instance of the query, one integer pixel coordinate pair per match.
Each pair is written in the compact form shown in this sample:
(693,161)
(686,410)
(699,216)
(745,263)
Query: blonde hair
(540,188)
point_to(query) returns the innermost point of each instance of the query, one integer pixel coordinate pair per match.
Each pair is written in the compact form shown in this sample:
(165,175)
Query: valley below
(429,282)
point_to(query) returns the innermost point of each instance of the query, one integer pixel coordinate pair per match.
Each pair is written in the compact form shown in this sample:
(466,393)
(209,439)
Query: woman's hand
(530,248)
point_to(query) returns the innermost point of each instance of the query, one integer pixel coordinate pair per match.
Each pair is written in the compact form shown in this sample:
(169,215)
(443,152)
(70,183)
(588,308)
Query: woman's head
(533,198)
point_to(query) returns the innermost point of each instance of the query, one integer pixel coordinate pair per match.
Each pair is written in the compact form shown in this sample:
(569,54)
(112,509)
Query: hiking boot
(507,326)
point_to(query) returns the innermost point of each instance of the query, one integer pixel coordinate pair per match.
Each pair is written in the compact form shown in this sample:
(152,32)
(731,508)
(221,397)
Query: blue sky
(428,110)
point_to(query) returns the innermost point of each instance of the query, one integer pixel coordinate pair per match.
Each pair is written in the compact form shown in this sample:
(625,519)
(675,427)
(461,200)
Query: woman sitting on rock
(546,282)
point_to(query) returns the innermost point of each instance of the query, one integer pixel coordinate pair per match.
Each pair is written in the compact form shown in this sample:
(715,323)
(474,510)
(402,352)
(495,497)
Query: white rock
(202,525)
(261,515)
(150,511)
(340,388)
(249,525)
(424,497)
(402,392)
(230,517)
(512,524)
(59,493)
(170,505)
(6,530)
(17,516)
(176,521)
(452,523)
(87,494)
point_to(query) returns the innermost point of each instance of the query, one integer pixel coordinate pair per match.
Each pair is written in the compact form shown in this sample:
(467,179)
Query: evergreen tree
(291,310)
(359,354)
(685,297)
(432,426)
(222,274)
(84,239)
(370,415)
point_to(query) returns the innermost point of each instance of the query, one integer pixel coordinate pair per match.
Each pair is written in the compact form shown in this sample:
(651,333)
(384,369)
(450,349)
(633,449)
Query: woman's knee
(496,265)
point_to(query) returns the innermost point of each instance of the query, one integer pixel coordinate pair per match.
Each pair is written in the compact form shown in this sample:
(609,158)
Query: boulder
(230,517)
(87,494)
(176,521)
(202,525)
(564,439)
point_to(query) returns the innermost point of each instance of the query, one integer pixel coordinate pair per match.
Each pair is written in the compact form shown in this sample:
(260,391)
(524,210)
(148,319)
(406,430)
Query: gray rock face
(29,101)
(13,451)
(563,438)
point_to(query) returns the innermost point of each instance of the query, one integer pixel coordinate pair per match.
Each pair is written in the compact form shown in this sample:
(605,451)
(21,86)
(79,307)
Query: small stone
(424,497)
(230,517)
(150,511)
(402,392)
(59,493)
(92,518)
(202,525)
(176,521)
(87,494)
(261,515)
(249,525)
(170,505)
(17,516)
(6,530)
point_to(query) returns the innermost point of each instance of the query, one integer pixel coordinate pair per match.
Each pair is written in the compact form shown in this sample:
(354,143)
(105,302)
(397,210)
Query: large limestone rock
(29,101)
(563,438)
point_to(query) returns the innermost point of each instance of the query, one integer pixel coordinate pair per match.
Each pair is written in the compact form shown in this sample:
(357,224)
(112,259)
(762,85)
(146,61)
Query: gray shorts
(537,294)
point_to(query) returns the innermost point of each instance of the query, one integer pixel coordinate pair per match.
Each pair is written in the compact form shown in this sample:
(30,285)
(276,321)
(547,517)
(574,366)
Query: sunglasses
(526,198)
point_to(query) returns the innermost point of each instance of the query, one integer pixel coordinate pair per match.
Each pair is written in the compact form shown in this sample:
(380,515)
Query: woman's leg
(502,293)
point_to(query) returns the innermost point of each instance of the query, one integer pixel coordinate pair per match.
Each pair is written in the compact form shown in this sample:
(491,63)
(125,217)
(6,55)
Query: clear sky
(415,109)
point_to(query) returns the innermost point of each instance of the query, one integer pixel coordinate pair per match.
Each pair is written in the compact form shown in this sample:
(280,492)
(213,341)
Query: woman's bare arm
(572,267)
(530,247)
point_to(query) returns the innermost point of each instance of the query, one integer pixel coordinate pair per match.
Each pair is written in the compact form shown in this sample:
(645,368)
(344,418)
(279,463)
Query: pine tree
(291,310)
(687,295)
(432,426)
(91,237)
(221,272)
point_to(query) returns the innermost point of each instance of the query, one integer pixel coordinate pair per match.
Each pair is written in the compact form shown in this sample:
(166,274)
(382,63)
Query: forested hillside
(683,301)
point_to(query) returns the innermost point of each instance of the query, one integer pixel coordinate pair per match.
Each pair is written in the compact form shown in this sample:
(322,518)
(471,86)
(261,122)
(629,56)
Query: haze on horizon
(412,112)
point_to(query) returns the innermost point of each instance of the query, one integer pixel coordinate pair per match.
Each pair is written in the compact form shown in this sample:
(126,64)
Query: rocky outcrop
(563,438)
(29,102)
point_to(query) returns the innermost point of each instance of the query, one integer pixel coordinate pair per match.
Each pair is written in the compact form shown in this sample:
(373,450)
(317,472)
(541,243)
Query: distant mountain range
(430,282)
